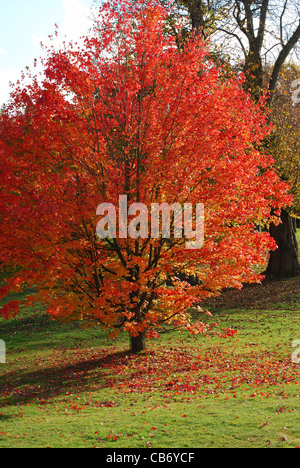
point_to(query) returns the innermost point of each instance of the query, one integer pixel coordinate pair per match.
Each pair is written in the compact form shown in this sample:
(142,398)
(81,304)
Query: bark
(284,260)
(254,80)
(138,343)
(196,10)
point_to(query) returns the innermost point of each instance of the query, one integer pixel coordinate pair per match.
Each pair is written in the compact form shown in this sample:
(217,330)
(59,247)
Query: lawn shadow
(77,373)
(22,387)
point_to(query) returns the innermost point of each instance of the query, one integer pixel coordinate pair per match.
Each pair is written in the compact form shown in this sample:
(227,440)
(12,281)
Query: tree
(128,122)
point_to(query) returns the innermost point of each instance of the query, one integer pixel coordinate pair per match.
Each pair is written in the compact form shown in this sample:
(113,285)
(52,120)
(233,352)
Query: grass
(66,386)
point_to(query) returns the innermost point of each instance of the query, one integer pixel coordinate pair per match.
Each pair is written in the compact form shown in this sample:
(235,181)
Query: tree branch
(262,24)
(281,59)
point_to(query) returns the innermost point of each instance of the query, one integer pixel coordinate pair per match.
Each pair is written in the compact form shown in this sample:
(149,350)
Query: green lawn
(66,386)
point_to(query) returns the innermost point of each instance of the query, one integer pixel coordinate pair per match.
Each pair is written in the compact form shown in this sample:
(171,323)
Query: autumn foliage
(127,113)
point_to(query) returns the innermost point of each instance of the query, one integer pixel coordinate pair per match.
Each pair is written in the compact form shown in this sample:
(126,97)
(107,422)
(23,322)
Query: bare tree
(254,32)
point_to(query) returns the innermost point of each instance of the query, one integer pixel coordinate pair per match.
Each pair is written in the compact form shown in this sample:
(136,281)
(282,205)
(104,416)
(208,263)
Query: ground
(66,386)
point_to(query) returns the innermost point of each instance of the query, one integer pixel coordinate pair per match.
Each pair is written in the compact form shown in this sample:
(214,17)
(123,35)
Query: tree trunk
(253,70)
(196,11)
(284,260)
(138,343)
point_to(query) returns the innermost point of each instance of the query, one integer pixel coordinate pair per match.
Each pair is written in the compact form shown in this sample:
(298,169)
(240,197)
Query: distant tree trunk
(196,9)
(284,260)
(138,343)
(254,80)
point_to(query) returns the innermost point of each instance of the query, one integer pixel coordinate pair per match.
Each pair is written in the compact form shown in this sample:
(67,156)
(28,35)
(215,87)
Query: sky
(24,24)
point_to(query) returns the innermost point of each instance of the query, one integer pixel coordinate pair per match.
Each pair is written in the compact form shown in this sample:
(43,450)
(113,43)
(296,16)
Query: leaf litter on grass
(168,371)
(75,382)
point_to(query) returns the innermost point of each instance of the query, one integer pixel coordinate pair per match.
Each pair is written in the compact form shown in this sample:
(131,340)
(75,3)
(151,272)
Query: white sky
(24,24)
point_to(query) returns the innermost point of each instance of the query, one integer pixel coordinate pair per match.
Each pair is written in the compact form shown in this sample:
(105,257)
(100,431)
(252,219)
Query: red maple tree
(127,113)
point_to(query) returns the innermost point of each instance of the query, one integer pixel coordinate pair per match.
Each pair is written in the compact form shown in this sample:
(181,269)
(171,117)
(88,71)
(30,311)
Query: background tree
(131,114)
(257,35)
(284,144)
(254,33)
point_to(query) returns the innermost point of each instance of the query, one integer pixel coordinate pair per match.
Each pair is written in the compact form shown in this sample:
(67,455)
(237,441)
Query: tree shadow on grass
(42,385)
(73,373)
(6,417)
